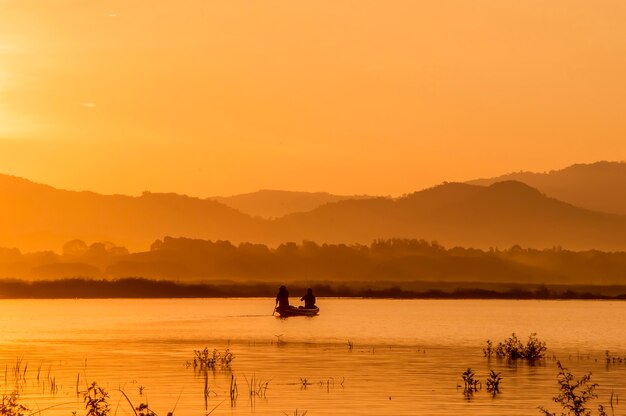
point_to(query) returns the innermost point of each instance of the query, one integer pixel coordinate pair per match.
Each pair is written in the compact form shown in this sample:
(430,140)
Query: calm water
(407,358)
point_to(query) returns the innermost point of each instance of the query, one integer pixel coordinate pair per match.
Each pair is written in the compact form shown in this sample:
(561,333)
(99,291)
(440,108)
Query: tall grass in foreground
(95,399)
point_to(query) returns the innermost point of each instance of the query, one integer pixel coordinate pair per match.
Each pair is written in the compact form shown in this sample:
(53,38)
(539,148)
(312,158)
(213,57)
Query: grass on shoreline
(147,288)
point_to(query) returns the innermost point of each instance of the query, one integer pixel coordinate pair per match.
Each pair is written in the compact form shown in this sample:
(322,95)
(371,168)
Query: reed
(19,373)
(206,392)
(233,391)
(53,387)
(17,368)
(295,413)
(256,387)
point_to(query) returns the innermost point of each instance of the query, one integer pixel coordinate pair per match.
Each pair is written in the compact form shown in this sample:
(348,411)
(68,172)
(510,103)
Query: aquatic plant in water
(488,351)
(211,360)
(613,358)
(470,382)
(233,391)
(575,394)
(10,406)
(493,382)
(512,348)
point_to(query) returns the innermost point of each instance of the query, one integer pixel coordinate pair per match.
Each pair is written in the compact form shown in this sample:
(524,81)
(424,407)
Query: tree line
(185,259)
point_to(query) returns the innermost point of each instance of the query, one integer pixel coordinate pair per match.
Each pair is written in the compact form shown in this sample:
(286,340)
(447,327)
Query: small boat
(293,311)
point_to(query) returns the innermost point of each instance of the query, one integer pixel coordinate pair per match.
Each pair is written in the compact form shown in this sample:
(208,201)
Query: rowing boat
(293,311)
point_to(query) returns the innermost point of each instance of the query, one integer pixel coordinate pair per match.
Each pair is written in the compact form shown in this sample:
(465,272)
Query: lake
(406,356)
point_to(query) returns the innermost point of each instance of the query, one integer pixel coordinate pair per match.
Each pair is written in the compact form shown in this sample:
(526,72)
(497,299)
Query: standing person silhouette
(282,298)
(309,299)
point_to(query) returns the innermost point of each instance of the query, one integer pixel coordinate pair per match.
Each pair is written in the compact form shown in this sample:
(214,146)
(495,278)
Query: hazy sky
(211,97)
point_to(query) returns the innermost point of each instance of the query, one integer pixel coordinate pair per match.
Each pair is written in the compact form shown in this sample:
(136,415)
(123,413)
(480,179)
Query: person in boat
(309,299)
(282,298)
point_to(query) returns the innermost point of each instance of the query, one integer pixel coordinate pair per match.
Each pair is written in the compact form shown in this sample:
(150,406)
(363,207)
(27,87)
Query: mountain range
(599,186)
(268,203)
(498,214)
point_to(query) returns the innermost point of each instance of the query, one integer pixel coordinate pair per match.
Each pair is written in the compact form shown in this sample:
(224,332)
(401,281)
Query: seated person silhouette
(282,298)
(309,299)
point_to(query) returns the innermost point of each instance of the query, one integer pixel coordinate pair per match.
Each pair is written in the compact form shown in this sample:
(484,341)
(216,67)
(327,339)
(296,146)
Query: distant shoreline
(140,288)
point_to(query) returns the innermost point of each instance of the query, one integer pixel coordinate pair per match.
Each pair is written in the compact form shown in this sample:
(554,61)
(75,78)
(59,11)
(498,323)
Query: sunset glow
(312,207)
(224,97)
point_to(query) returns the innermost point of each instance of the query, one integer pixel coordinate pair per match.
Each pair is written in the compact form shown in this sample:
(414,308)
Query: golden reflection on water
(407,356)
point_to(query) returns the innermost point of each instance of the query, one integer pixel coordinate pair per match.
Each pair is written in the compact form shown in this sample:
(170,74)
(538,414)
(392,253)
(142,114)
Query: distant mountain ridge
(503,214)
(39,217)
(269,203)
(599,186)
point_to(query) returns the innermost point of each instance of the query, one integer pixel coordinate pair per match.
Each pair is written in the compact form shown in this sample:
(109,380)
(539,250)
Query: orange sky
(381,97)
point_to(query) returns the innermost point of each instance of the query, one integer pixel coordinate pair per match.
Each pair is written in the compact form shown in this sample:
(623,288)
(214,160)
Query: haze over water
(407,358)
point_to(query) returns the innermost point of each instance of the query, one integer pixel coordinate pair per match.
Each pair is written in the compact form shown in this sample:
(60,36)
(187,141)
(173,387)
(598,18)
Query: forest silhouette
(393,260)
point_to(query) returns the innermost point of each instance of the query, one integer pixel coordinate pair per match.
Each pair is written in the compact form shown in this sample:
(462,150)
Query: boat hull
(284,313)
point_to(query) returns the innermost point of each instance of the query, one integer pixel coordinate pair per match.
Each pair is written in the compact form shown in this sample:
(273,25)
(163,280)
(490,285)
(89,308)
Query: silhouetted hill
(503,214)
(273,203)
(599,186)
(37,217)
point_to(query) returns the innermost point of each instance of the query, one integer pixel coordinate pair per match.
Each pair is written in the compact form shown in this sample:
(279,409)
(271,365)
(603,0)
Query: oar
(275,306)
